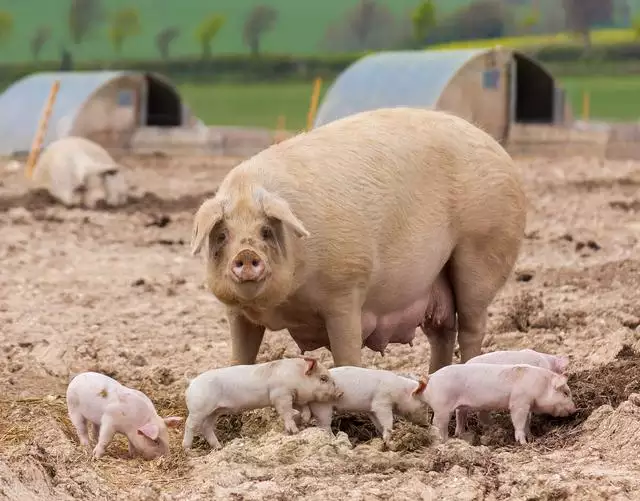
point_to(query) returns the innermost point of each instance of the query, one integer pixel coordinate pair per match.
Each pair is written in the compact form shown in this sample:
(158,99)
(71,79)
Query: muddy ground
(117,292)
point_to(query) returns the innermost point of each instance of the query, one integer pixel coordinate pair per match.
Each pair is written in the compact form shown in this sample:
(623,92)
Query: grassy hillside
(300,29)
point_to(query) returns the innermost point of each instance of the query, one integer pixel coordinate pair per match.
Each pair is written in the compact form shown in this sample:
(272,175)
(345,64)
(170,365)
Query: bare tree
(84,16)
(367,26)
(164,38)
(366,18)
(39,39)
(582,15)
(260,20)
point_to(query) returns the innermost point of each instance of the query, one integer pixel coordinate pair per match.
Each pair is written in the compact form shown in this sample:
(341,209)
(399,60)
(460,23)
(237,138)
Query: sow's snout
(248,266)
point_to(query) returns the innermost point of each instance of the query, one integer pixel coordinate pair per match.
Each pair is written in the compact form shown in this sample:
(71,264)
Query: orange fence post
(313,106)
(586,105)
(36,146)
(280,127)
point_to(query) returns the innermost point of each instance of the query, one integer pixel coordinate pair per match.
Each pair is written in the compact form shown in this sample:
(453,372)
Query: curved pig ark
(357,232)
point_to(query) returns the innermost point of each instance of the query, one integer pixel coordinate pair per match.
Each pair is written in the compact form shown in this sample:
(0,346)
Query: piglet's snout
(248,266)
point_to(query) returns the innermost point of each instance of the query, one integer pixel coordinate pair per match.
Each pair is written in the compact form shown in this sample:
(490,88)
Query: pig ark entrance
(532,92)
(164,107)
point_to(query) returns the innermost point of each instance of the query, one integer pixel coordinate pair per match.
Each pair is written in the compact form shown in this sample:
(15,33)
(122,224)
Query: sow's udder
(435,311)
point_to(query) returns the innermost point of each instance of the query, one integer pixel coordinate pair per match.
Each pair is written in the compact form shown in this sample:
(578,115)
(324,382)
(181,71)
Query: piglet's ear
(422,385)
(208,215)
(173,421)
(562,363)
(149,430)
(278,208)
(311,364)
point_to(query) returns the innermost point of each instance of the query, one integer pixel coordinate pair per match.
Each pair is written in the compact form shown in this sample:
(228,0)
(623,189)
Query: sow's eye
(221,237)
(266,233)
(324,379)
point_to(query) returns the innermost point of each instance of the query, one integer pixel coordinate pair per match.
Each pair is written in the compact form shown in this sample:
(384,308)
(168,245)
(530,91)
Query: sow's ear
(209,214)
(276,207)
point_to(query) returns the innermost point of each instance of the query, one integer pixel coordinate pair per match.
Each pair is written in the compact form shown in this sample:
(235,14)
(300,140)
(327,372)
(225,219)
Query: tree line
(85,17)
(368,25)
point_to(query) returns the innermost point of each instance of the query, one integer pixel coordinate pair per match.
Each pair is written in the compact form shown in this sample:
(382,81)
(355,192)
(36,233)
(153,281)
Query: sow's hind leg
(439,323)
(478,268)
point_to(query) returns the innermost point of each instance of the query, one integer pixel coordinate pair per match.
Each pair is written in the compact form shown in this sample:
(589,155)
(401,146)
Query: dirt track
(116,291)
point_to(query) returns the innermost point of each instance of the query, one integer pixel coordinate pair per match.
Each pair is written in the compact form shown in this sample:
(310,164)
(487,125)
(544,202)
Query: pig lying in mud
(520,389)
(79,172)
(112,408)
(554,363)
(357,232)
(279,383)
(377,392)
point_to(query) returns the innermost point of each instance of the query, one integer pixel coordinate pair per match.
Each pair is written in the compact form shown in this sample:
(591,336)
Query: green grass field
(612,98)
(256,105)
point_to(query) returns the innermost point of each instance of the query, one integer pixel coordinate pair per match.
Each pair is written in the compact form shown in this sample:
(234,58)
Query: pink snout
(248,266)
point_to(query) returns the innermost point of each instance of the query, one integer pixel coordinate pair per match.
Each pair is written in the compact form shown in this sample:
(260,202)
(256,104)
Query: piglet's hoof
(470,437)
(291,428)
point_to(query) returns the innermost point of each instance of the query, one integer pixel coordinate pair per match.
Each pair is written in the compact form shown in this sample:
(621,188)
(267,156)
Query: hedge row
(568,53)
(228,67)
(275,67)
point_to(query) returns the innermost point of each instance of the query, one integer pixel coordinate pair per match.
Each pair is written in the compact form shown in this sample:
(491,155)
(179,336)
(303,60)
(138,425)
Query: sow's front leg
(246,338)
(344,328)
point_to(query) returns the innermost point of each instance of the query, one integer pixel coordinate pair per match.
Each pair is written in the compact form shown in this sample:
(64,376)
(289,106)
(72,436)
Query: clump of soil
(520,315)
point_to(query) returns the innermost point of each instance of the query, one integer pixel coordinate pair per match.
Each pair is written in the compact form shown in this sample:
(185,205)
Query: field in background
(612,98)
(256,105)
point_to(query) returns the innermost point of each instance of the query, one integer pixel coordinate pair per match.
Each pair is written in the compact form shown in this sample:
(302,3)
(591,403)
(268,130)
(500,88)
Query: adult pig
(78,171)
(359,231)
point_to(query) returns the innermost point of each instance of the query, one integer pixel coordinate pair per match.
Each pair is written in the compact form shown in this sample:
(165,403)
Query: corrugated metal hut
(105,106)
(492,88)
